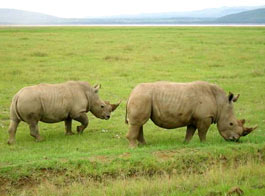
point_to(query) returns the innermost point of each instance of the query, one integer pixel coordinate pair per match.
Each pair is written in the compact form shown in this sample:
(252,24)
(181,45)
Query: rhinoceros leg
(12,131)
(140,137)
(84,122)
(34,131)
(203,126)
(189,133)
(133,135)
(68,127)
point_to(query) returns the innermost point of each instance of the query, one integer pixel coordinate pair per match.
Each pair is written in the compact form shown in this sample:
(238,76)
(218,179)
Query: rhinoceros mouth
(107,117)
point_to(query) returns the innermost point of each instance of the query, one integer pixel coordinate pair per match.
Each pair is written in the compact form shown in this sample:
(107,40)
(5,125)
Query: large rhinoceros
(53,103)
(171,105)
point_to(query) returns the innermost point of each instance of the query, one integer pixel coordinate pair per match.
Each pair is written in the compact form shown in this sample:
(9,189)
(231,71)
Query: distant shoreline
(140,25)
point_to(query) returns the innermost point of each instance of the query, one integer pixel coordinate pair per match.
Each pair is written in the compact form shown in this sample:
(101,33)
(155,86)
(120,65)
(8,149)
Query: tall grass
(215,181)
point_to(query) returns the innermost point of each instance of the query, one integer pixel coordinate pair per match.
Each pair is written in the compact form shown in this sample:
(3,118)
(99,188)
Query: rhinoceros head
(229,127)
(101,109)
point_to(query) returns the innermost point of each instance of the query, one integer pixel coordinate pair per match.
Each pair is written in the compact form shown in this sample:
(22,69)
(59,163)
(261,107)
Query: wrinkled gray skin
(171,105)
(53,103)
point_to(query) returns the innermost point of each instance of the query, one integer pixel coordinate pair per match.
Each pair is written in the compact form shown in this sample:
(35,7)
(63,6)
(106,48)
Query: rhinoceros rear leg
(68,127)
(140,137)
(189,133)
(12,130)
(133,135)
(203,126)
(34,131)
(84,123)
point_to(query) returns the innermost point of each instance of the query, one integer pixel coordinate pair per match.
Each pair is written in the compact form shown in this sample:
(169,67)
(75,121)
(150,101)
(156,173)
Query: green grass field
(99,162)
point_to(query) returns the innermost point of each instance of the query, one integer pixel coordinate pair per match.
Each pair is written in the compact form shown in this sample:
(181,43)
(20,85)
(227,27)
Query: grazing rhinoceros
(53,103)
(171,105)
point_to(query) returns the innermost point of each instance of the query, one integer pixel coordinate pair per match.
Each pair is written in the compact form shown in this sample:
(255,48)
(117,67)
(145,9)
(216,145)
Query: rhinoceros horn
(247,130)
(114,106)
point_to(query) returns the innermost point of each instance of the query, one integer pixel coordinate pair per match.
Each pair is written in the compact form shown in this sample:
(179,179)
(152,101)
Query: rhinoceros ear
(243,121)
(230,96)
(236,98)
(97,87)
(233,98)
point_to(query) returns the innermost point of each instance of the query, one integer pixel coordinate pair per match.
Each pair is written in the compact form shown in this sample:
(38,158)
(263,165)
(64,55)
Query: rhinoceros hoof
(132,146)
(142,143)
(10,142)
(69,133)
(39,139)
(79,129)
(186,142)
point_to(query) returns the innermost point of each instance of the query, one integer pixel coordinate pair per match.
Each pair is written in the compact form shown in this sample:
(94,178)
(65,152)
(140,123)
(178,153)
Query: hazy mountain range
(224,15)
(205,13)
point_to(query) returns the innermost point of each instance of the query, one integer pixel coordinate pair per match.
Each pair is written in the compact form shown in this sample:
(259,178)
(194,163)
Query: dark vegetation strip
(161,163)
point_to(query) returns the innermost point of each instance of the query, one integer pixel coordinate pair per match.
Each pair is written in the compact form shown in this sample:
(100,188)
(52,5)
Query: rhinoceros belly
(56,106)
(170,120)
(50,118)
(171,110)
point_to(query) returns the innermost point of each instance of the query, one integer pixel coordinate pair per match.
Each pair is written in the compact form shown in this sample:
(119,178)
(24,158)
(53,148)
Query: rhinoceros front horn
(248,130)
(114,106)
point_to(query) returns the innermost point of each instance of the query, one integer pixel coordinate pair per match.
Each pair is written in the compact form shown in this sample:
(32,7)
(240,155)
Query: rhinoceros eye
(102,106)
(231,124)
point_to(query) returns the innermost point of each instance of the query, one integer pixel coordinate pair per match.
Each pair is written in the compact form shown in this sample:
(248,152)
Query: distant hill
(205,13)
(207,16)
(253,16)
(13,16)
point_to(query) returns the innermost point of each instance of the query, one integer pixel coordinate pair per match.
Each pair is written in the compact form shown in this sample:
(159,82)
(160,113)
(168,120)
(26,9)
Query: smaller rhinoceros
(53,103)
(171,105)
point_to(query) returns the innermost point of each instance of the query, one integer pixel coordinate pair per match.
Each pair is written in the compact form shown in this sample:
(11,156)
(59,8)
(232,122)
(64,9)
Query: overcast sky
(85,8)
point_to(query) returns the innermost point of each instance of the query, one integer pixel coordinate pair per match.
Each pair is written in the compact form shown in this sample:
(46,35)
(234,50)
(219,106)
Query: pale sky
(94,8)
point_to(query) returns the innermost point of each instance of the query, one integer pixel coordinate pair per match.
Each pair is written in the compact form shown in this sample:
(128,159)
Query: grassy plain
(99,162)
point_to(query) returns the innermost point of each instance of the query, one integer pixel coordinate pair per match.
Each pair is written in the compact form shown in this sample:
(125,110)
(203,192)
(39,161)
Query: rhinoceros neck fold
(221,101)
(225,114)
(88,92)
(89,100)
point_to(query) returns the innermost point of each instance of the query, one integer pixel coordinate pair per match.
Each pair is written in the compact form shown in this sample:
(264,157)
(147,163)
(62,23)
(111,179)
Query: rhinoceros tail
(126,120)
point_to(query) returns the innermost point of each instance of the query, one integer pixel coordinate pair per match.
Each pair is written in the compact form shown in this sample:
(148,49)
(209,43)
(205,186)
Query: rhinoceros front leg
(203,126)
(12,131)
(34,131)
(68,127)
(84,122)
(189,133)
